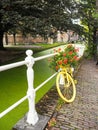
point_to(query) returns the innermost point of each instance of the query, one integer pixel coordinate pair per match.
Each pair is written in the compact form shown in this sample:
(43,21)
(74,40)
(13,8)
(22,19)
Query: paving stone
(53,128)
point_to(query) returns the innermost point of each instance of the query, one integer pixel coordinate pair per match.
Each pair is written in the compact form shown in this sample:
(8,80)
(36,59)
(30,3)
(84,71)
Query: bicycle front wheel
(65,86)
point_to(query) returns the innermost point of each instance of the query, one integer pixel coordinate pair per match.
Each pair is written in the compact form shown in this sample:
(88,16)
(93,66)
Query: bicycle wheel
(65,86)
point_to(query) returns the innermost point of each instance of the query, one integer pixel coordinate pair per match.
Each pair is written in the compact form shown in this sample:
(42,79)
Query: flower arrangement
(66,58)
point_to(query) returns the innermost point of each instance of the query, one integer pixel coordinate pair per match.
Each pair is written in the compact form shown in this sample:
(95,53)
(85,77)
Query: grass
(13,86)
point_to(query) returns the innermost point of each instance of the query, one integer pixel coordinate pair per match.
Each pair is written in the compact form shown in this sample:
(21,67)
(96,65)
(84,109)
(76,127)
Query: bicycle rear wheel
(65,86)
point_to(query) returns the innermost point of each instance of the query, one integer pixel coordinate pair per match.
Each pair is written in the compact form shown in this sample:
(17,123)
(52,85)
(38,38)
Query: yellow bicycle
(66,84)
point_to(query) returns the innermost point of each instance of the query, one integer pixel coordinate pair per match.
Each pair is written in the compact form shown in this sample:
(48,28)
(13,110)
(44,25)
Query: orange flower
(70,53)
(64,54)
(65,61)
(75,57)
(77,50)
(59,49)
(60,62)
(56,67)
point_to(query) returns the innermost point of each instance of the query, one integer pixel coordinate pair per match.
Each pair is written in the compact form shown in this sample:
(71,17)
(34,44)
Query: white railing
(32,116)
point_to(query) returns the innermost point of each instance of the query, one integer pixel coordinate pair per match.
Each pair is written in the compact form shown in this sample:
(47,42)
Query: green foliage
(90,51)
(59,104)
(87,13)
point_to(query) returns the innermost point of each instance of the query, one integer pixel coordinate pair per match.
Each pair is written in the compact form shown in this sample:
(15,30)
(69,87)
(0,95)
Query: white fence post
(32,116)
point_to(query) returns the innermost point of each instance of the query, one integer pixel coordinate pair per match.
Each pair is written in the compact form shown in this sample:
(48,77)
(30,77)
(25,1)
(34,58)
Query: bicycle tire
(68,87)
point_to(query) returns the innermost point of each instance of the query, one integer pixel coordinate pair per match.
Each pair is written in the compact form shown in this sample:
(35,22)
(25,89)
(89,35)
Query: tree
(86,11)
(8,18)
(14,14)
(36,16)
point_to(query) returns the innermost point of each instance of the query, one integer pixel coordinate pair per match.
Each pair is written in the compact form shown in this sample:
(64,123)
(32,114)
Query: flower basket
(67,57)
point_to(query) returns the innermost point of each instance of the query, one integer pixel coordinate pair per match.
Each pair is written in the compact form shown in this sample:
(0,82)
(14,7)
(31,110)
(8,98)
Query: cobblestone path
(82,114)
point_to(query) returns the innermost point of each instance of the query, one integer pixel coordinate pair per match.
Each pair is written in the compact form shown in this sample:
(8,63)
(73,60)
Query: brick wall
(22,40)
(61,37)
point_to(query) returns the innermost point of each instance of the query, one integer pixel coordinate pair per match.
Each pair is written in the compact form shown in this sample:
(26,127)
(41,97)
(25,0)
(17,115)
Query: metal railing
(32,116)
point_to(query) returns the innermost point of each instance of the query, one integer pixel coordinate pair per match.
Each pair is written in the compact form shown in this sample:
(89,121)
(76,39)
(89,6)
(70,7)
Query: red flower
(60,62)
(70,53)
(75,57)
(77,50)
(64,54)
(59,49)
(65,61)
(56,67)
